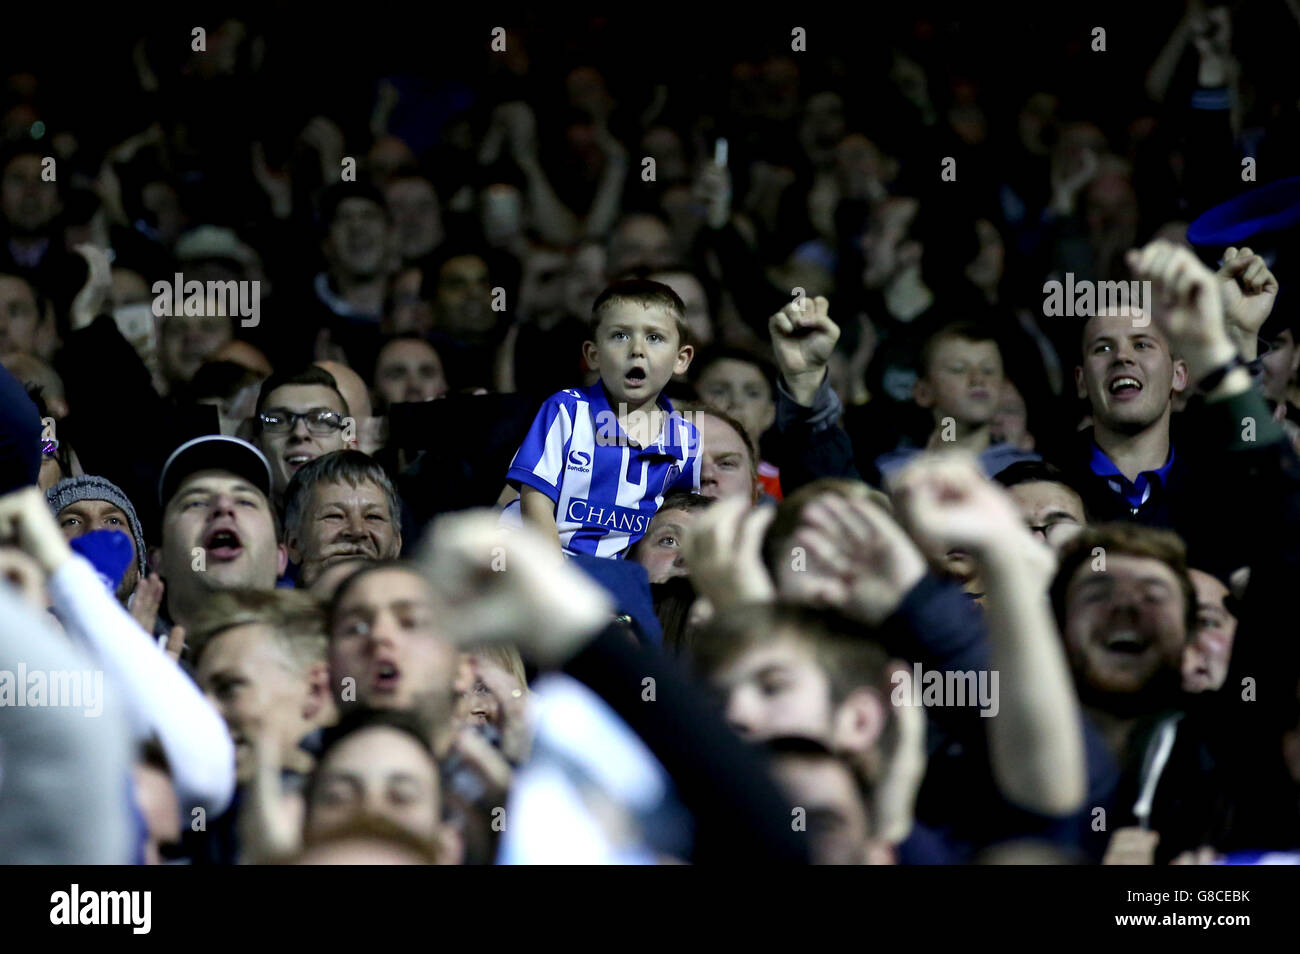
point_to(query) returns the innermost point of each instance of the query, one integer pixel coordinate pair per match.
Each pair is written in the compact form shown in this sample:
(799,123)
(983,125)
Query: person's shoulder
(686,435)
(569,397)
(893,460)
(687,425)
(996,457)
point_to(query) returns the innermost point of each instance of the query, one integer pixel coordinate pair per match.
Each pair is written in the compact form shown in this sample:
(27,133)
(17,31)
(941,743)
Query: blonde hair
(507,657)
(296,619)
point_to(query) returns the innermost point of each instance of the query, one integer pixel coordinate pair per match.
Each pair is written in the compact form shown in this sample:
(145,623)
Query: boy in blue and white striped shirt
(597,461)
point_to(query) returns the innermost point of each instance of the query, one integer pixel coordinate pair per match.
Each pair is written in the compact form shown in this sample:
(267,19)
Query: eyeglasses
(320,420)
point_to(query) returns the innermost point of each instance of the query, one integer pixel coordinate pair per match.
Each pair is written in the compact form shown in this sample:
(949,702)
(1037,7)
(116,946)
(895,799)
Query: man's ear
(684,355)
(318,691)
(1080,389)
(154,559)
(858,721)
(281,559)
(923,393)
(397,542)
(1180,375)
(451,845)
(591,354)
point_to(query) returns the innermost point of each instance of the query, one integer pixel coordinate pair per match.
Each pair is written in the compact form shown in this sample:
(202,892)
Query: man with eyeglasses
(300,416)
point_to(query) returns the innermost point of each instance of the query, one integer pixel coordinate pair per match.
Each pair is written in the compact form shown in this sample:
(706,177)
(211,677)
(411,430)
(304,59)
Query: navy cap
(214,452)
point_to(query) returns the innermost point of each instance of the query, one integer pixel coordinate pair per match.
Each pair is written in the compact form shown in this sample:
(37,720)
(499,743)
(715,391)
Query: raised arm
(63,800)
(812,444)
(560,619)
(160,698)
(1036,737)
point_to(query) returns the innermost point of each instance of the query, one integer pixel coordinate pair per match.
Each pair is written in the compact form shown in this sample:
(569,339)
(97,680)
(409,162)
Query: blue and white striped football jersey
(604,487)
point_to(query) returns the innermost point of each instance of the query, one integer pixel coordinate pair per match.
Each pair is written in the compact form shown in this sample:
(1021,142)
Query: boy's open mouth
(634,377)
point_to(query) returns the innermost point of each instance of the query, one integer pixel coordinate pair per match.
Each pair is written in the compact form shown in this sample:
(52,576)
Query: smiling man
(300,417)
(218,528)
(340,507)
(1126,465)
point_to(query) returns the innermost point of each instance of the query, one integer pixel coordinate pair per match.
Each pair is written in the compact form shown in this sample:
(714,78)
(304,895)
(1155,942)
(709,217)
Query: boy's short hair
(686,500)
(789,512)
(971,331)
(1124,539)
(848,653)
(360,719)
(345,585)
(310,376)
(394,338)
(645,293)
(296,619)
(221,380)
(1032,471)
(849,656)
(715,353)
(333,196)
(507,657)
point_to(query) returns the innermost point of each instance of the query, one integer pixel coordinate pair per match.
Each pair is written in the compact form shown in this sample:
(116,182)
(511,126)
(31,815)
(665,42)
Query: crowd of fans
(562,462)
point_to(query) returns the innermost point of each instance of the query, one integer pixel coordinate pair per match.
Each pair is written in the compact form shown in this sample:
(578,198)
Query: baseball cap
(206,242)
(214,452)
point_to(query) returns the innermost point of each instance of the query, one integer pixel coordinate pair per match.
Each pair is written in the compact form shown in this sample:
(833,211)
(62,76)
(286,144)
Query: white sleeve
(161,698)
(65,768)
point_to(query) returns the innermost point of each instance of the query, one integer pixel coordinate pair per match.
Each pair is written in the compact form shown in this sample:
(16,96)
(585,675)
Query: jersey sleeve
(689,479)
(539,462)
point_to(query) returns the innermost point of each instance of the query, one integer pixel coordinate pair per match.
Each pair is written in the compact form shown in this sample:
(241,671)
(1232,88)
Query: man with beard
(340,507)
(1127,608)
